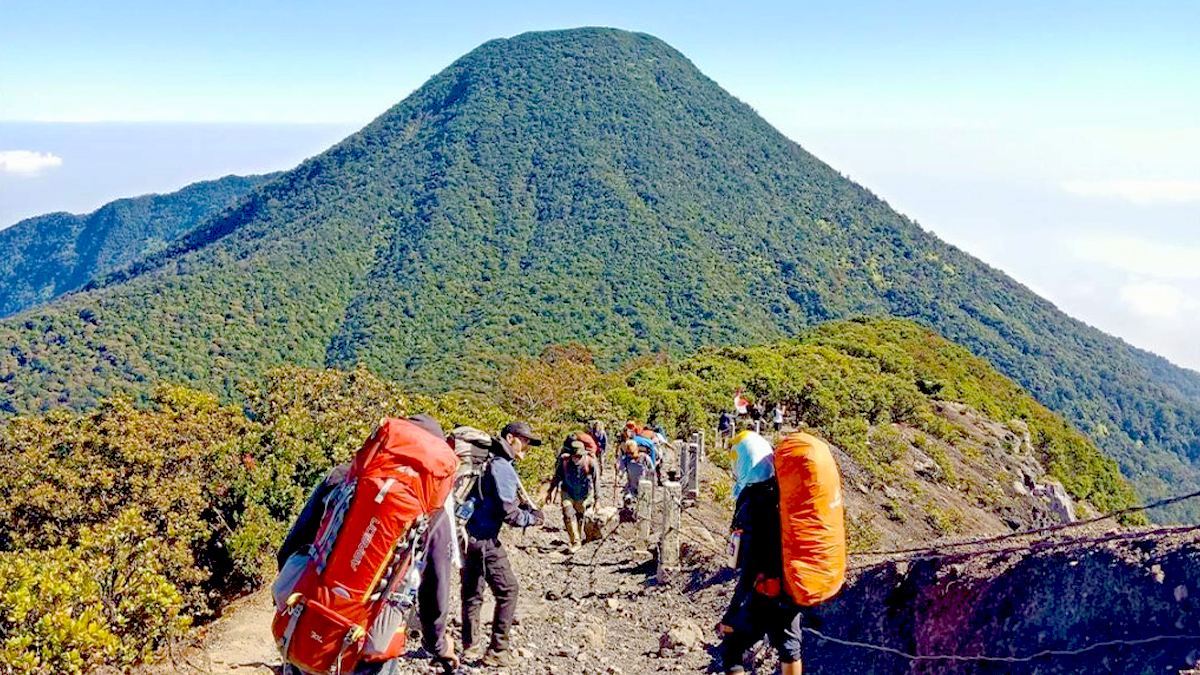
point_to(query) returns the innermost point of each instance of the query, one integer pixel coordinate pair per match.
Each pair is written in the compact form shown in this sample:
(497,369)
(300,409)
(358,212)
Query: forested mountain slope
(43,257)
(587,185)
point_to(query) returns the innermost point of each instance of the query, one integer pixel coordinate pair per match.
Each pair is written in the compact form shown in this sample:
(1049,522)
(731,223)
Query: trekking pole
(523,494)
(616,481)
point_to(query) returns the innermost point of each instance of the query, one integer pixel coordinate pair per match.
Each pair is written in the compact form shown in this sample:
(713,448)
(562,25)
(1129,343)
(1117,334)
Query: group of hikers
(417,564)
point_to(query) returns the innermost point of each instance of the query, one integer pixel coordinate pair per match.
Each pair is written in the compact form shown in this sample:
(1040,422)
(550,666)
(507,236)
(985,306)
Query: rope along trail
(932,553)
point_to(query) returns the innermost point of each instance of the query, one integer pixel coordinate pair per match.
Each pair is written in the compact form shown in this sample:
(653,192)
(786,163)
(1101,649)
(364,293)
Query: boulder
(682,637)
(599,523)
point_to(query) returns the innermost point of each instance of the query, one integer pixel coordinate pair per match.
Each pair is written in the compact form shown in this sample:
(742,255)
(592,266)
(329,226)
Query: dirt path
(599,612)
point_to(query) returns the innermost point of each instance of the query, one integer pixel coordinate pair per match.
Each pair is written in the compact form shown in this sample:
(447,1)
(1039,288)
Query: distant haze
(47,167)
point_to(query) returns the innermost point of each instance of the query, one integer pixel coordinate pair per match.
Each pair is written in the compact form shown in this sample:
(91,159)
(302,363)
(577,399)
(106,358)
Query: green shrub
(861,532)
(105,601)
(944,521)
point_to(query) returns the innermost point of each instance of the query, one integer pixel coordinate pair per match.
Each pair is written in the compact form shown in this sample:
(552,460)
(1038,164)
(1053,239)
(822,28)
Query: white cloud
(1154,299)
(1137,191)
(1135,255)
(27,162)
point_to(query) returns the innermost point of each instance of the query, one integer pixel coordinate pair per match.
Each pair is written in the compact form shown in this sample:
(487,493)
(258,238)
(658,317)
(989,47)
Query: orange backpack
(354,588)
(811,519)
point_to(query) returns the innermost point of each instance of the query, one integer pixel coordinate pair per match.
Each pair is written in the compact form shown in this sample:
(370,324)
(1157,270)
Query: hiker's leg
(434,597)
(503,583)
(570,522)
(733,651)
(472,593)
(786,635)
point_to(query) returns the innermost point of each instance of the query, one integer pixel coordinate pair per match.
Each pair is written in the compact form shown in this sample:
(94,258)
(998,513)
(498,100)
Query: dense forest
(43,257)
(125,523)
(587,185)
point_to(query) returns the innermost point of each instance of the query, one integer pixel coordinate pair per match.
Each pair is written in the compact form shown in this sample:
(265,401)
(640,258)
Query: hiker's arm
(506,490)
(556,480)
(594,477)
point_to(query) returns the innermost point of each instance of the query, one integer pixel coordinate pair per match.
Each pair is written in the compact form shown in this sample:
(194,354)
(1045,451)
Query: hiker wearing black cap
(575,474)
(499,502)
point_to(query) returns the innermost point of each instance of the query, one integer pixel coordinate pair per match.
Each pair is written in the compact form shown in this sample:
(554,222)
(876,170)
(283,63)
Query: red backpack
(356,587)
(589,442)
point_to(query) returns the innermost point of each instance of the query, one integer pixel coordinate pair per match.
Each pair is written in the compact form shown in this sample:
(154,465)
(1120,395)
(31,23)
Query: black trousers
(487,561)
(433,599)
(777,619)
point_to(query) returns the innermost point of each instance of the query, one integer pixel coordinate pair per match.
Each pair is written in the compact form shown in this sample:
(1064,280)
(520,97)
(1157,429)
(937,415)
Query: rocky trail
(599,611)
(1103,600)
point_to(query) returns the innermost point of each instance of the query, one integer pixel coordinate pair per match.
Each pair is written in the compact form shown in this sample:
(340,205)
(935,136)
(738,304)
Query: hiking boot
(499,659)
(472,654)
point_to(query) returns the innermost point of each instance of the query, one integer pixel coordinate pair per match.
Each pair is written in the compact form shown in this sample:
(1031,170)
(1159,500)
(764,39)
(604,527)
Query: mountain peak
(586,185)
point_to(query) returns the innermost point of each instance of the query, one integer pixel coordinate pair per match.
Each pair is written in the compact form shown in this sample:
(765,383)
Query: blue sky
(1059,141)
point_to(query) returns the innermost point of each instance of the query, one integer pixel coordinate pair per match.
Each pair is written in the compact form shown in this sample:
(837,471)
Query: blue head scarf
(755,461)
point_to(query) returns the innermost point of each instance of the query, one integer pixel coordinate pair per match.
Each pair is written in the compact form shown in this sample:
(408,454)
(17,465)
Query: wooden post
(689,466)
(645,509)
(668,542)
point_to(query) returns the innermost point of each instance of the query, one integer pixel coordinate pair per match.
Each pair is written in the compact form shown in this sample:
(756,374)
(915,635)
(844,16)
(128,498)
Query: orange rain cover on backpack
(810,519)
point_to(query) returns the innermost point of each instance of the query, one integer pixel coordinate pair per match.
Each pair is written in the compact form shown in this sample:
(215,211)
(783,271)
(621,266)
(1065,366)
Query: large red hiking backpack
(588,440)
(811,519)
(358,581)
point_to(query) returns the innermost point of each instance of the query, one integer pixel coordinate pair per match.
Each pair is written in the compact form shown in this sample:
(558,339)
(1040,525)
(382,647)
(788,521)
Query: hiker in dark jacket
(759,605)
(434,593)
(596,429)
(576,474)
(499,502)
(725,427)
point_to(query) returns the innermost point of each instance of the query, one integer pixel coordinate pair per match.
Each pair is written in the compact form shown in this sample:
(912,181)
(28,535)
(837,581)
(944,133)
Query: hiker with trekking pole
(498,498)
(576,481)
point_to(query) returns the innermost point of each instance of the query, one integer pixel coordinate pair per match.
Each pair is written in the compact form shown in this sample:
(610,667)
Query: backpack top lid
(402,447)
(473,447)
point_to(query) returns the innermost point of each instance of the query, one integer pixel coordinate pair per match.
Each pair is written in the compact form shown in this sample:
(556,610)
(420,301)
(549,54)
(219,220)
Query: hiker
(725,427)
(575,479)
(596,429)
(499,502)
(777,417)
(636,461)
(758,607)
(653,439)
(434,591)
(630,430)
(740,404)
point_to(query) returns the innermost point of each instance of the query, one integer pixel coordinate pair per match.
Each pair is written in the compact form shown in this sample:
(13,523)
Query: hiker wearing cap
(575,478)
(499,502)
(758,607)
